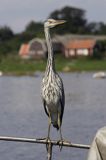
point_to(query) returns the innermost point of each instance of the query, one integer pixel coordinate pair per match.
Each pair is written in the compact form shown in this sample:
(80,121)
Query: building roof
(37,43)
(81,44)
(24,49)
(68,37)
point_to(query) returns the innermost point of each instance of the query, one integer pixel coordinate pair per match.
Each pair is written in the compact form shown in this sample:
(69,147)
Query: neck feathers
(50,61)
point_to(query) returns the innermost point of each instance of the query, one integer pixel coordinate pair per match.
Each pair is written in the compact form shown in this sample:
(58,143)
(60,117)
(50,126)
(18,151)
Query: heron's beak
(59,22)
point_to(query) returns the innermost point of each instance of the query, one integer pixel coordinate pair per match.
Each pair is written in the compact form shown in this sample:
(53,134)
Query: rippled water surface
(22,115)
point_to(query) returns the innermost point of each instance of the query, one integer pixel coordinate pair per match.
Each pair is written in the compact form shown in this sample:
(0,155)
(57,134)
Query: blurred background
(80,55)
(22,35)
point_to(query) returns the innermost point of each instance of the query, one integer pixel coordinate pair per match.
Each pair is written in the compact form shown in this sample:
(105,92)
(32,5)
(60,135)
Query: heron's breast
(51,94)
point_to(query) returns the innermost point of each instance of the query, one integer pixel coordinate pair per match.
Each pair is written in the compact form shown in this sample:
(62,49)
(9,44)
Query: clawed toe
(60,142)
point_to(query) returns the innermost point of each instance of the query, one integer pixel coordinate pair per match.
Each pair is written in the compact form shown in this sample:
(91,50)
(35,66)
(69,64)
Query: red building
(81,47)
(24,51)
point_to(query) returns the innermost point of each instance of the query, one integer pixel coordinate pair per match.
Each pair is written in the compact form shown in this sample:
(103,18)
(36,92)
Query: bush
(6,33)
(100,49)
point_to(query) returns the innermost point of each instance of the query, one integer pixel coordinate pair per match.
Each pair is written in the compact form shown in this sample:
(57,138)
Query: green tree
(102,28)
(91,28)
(6,33)
(100,49)
(34,28)
(75,18)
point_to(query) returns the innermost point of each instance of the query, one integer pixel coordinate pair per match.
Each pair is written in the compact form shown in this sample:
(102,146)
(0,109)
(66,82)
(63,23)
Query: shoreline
(13,65)
(37,73)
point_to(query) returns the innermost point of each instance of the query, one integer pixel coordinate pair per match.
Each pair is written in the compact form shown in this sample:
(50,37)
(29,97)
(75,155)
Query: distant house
(80,47)
(24,51)
(37,48)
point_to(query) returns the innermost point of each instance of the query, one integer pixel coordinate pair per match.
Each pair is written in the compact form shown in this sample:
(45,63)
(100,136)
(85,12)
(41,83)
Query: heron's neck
(50,61)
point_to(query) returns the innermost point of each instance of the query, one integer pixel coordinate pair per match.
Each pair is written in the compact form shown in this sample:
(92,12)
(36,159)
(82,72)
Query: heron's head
(50,23)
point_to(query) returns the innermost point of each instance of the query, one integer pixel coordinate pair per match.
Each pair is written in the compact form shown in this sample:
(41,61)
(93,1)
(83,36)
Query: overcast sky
(18,13)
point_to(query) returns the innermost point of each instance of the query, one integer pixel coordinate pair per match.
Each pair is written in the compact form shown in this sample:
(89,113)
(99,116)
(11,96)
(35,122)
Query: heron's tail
(56,126)
(54,121)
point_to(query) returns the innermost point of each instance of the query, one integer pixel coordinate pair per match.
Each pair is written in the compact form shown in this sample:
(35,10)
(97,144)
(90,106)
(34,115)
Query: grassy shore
(13,65)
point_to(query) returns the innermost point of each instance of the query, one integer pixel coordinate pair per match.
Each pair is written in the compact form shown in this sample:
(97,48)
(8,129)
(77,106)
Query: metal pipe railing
(50,143)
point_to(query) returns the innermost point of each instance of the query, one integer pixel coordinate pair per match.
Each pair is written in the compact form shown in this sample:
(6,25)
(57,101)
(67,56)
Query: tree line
(77,23)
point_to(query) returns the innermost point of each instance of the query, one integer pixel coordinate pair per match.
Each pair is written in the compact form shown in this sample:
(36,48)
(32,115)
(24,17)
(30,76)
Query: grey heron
(52,86)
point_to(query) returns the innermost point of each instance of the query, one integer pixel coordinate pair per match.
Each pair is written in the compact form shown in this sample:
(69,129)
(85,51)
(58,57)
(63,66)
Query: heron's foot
(48,140)
(60,142)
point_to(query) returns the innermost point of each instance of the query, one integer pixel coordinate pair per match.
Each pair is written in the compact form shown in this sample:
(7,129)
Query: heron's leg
(61,138)
(48,136)
(59,124)
(49,126)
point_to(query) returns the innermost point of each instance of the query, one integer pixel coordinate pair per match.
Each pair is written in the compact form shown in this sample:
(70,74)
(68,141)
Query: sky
(18,13)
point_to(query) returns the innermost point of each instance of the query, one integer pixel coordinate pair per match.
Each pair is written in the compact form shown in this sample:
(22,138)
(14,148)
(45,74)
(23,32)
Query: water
(22,115)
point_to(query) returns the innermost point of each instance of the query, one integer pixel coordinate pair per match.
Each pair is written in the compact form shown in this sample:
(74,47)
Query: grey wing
(45,107)
(62,103)
(62,95)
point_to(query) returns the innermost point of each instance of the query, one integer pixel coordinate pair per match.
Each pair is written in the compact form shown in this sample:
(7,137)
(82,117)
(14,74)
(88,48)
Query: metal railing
(50,143)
